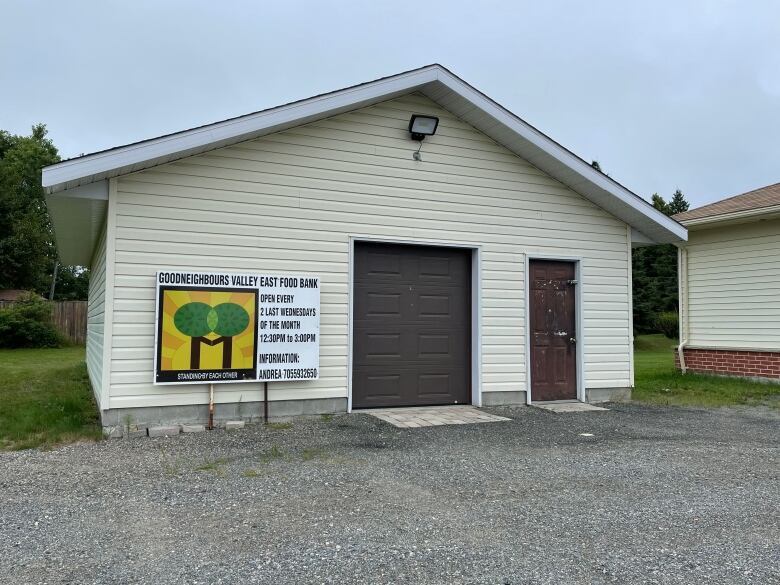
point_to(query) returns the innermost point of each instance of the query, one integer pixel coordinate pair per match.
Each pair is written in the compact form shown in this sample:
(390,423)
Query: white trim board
(476,305)
(580,344)
(108,307)
(434,81)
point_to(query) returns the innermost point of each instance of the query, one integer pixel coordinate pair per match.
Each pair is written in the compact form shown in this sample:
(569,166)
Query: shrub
(668,323)
(27,323)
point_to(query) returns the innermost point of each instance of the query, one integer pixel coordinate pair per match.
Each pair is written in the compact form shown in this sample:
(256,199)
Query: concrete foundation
(592,395)
(595,395)
(194,414)
(503,398)
(198,414)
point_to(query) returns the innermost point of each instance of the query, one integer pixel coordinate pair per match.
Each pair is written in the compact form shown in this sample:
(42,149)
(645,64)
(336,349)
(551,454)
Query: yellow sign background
(175,350)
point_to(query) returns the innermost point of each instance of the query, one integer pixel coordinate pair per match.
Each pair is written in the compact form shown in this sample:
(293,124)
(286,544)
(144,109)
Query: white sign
(225,327)
(289,328)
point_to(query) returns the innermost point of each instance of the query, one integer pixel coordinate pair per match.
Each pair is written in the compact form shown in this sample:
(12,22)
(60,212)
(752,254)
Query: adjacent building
(730,286)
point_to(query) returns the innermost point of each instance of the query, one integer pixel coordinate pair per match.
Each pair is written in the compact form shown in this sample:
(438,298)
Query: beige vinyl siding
(734,286)
(290,201)
(96,317)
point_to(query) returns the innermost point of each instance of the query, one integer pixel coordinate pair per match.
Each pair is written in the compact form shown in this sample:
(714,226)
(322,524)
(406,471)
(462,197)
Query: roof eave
(734,216)
(433,80)
(148,153)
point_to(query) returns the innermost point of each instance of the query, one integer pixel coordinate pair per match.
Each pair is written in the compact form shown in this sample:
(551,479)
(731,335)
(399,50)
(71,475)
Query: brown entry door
(412,326)
(553,331)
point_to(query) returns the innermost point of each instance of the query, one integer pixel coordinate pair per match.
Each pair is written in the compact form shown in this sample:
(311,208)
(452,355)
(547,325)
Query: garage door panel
(432,345)
(413,303)
(379,264)
(430,385)
(446,309)
(444,269)
(382,263)
(408,386)
(379,388)
(411,325)
(382,346)
(426,346)
(382,304)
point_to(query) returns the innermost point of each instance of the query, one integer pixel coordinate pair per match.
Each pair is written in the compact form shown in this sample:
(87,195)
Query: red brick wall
(751,364)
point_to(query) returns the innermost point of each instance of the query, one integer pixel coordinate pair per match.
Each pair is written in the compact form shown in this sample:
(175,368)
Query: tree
(655,273)
(27,251)
(72,283)
(660,203)
(678,204)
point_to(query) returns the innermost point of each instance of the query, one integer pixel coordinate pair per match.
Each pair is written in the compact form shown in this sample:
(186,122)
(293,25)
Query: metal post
(265,401)
(211,406)
(54,280)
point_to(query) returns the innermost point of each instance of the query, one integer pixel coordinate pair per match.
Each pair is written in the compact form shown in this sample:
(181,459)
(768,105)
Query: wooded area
(654,275)
(28,256)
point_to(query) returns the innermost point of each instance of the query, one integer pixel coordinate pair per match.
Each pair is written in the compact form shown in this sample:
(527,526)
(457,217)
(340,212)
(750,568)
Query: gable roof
(757,202)
(82,180)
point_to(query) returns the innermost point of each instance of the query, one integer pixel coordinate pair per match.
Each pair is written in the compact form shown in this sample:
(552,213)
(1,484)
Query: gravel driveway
(657,495)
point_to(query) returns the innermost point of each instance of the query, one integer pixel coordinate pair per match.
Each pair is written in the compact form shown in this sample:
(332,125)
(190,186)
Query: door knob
(572,340)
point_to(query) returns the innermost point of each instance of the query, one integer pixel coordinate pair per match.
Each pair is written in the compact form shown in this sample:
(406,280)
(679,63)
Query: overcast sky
(671,94)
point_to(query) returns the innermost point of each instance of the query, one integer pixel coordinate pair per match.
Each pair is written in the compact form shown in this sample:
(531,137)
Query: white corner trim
(476,305)
(108,307)
(630,268)
(476,325)
(350,319)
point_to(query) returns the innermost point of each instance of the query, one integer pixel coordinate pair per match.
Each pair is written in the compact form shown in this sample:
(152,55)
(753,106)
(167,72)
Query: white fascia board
(585,172)
(735,216)
(147,153)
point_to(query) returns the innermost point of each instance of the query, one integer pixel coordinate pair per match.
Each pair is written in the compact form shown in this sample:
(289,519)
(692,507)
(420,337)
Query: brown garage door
(412,326)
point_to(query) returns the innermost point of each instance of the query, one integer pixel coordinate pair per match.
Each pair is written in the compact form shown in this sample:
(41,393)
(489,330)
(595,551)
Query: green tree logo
(197,320)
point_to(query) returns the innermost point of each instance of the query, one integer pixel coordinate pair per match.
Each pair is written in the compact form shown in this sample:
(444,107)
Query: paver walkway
(559,407)
(430,416)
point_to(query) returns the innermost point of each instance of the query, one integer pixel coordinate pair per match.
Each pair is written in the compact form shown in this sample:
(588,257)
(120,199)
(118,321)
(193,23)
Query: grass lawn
(45,398)
(658,382)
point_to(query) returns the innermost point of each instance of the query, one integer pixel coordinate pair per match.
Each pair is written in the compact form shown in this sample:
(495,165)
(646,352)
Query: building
(485,264)
(11,295)
(730,286)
